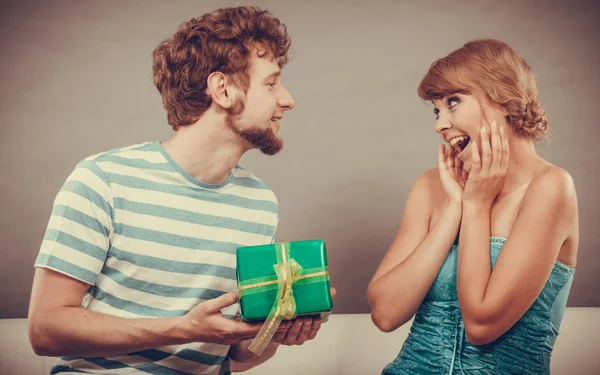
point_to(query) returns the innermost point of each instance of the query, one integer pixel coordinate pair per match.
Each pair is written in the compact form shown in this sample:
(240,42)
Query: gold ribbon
(284,308)
(266,283)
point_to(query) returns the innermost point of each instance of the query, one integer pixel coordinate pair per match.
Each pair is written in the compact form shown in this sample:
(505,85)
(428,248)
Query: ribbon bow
(288,272)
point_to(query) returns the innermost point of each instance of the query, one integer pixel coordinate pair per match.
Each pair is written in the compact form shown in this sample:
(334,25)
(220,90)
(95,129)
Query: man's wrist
(180,329)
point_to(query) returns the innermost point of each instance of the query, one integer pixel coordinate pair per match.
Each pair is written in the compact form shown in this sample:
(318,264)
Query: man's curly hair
(222,41)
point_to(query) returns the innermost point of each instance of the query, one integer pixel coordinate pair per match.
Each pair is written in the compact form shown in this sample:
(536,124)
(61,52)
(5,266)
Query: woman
(485,253)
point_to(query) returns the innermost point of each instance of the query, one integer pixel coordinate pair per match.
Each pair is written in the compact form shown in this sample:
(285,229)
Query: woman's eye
(452,102)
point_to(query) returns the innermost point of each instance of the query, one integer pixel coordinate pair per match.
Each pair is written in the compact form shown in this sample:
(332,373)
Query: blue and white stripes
(153,242)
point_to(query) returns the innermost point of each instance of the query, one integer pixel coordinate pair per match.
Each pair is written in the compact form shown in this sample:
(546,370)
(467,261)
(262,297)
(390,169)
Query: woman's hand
(452,175)
(488,172)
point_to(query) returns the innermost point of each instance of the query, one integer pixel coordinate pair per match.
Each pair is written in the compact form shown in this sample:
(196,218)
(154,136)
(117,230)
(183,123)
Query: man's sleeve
(78,235)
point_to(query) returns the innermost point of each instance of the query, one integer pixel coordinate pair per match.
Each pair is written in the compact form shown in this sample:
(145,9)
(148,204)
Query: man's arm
(59,326)
(242,359)
(294,332)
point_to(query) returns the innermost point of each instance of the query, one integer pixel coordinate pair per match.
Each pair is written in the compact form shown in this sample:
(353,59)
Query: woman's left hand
(488,171)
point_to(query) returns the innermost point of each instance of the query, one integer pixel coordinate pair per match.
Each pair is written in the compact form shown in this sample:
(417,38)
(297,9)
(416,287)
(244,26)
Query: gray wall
(76,80)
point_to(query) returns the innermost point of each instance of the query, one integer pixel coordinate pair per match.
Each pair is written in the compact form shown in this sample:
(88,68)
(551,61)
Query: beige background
(76,80)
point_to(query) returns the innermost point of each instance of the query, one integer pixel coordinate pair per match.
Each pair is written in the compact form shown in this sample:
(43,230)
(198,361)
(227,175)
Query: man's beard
(263,139)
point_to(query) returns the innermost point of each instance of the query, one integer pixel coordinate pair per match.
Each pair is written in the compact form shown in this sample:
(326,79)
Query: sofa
(348,344)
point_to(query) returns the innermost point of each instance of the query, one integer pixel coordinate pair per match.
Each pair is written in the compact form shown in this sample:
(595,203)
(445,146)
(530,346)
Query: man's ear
(219,89)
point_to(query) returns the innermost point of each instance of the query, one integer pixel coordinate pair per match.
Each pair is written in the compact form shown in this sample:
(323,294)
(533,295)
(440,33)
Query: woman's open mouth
(460,143)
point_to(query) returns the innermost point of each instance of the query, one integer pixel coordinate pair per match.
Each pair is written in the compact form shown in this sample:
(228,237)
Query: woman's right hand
(452,175)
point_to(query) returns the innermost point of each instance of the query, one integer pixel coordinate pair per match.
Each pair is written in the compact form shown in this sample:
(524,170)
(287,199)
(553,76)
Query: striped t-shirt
(152,241)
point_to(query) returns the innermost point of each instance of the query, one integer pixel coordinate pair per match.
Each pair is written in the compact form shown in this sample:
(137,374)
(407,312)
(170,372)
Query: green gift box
(260,285)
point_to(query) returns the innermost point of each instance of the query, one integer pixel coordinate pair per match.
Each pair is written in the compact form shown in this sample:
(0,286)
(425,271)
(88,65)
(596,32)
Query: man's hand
(206,323)
(300,329)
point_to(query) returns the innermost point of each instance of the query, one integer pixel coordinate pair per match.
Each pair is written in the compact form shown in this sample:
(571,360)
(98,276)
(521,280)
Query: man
(136,273)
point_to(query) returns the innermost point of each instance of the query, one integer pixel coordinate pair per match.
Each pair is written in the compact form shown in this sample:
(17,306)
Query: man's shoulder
(136,156)
(136,151)
(244,178)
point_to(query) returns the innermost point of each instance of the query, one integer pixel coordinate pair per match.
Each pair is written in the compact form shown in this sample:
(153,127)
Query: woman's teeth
(454,141)
(459,143)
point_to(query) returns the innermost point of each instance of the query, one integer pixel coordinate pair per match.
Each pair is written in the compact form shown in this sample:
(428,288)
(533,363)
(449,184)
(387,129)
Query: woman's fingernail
(494,124)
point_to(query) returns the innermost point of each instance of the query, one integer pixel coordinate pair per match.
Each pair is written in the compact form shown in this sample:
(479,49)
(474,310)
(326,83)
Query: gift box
(287,279)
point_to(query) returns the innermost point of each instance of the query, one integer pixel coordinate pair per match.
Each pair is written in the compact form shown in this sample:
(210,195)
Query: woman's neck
(523,164)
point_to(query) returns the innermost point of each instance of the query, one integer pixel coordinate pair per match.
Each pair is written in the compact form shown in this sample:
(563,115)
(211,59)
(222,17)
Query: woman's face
(459,121)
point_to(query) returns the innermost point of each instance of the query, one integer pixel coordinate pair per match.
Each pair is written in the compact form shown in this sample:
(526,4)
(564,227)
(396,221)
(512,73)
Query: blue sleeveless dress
(436,343)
